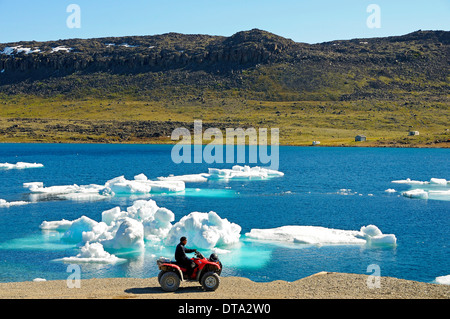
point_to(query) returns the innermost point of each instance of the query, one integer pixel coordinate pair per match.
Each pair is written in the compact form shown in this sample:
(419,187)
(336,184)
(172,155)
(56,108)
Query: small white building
(413,133)
(315,143)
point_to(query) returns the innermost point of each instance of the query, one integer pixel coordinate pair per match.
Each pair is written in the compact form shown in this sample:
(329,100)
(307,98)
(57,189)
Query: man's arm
(186,250)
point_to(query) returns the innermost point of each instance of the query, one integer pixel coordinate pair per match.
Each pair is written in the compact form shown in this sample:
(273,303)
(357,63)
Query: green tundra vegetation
(138,89)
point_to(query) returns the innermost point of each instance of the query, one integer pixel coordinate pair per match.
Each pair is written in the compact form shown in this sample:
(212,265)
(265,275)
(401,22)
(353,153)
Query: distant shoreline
(323,285)
(443,145)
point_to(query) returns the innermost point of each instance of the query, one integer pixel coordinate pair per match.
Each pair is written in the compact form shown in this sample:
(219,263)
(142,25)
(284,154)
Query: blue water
(308,194)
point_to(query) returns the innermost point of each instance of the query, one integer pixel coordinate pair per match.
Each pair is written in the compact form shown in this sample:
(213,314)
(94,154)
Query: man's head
(183,240)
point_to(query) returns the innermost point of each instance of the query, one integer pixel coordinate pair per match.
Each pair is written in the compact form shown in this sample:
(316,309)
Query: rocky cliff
(252,62)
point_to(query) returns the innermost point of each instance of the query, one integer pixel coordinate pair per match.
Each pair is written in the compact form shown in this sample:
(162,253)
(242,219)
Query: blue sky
(301,20)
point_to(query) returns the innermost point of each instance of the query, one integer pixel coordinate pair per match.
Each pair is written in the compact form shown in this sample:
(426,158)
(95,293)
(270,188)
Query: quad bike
(206,272)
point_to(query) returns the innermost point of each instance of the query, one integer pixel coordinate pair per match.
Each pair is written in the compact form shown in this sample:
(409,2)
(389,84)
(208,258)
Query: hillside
(138,88)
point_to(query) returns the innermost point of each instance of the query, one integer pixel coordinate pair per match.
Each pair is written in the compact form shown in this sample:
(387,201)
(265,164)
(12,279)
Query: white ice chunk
(155,220)
(443,280)
(111,215)
(307,235)
(75,232)
(374,236)
(159,225)
(190,178)
(93,253)
(140,177)
(129,236)
(409,181)
(4,203)
(120,185)
(390,190)
(416,193)
(243,172)
(316,235)
(370,231)
(166,186)
(60,225)
(100,231)
(439,181)
(204,230)
(20,165)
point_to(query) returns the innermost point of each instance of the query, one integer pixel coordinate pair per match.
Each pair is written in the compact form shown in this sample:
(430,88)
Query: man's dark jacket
(180,253)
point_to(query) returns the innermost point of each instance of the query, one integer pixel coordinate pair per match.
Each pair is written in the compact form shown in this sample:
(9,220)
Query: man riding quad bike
(206,271)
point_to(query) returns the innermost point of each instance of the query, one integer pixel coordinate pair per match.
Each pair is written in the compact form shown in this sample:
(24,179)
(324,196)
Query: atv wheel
(162,272)
(210,281)
(170,281)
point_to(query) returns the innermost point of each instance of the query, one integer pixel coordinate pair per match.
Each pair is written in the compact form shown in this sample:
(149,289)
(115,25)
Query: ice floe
(443,280)
(236,172)
(141,185)
(315,235)
(4,203)
(243,172)
(439,181)
(20,165)
(416,193)
(435,188)
(116,186)
(189,178)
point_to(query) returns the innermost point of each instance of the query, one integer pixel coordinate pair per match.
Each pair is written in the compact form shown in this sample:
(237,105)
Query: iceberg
(315,235)
(128,236)
(74,233)
(20,165)
(118,229)
(204,230)
(142,222)
(155,220)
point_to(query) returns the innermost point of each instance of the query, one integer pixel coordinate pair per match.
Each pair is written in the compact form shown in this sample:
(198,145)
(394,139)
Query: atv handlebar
(199,254)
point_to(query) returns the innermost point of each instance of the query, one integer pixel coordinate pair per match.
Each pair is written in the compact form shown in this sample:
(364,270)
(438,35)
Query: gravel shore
(323,285)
